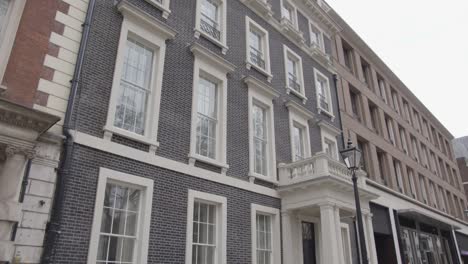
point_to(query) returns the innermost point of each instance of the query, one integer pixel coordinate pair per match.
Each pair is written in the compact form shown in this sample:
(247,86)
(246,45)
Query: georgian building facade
(39,43)
(208,132)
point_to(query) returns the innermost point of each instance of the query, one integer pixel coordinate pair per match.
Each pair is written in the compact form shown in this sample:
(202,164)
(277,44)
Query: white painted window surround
(211,67)
(346,243)
(271,216)
(328,135)
(148,35)
(210,18)
(299,119)
(316,36)
(289,12)
(323,92)
(143,187)
(258,48)
(294,76)
(262,95)
(10,16)
(219,227)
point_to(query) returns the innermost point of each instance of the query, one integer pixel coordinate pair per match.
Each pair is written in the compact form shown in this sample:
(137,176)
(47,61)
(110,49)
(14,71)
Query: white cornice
(207,55)
(129,10)
(293,106)
(328,127)
(263,87)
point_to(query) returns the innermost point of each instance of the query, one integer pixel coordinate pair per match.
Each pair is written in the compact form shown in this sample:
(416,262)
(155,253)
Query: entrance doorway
(308,243)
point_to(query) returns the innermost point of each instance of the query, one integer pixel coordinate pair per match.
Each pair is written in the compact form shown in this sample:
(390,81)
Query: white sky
(425,43)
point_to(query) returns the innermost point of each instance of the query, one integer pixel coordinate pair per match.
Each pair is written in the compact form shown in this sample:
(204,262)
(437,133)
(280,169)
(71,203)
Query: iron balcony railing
(324,102)
(293,83)
(256,57)
(210,27)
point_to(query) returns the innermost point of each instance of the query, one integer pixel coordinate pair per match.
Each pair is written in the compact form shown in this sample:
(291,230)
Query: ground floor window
(424,248)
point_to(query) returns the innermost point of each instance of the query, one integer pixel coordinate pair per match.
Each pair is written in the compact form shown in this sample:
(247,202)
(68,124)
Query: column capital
(11,150)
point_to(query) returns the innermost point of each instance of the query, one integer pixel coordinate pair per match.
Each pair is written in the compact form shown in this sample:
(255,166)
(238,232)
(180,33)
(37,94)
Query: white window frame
(214,67)
(329,132)
(222,43)
(330,112)
(275,229)
(348,259)
(164,6)
(7,37)
(154,34)
(300,116)
(321,44)
(287,52)
(221,225)
(265,42)
(262,94)
(294,21)
(146,186)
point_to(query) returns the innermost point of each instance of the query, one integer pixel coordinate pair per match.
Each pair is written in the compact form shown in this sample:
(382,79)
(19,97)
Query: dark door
(308,243)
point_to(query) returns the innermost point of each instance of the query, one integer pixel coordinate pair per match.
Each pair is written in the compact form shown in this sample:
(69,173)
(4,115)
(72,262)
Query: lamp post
(352,158)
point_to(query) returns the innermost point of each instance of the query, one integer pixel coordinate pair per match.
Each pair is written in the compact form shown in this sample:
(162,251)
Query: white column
(395,235)
(370,239)
(328,234)
(10,185)
(339,238)
(288,237)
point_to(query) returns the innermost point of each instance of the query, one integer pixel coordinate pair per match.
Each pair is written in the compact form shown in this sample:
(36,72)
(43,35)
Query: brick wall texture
(168,223)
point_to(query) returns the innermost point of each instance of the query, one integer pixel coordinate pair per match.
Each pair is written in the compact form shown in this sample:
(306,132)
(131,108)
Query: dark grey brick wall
(175,113)
(169,210)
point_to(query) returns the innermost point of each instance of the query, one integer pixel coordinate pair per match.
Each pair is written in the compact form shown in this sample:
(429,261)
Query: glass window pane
(115,249)
(131,224)
(106,221)
(118,224)
(127,250)
(102,248)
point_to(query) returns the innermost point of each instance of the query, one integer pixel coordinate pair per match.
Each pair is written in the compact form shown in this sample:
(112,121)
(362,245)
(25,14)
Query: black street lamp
(352,158)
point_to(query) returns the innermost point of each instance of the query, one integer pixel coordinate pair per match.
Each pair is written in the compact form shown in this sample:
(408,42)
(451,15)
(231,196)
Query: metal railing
(293,83)
(256,57)
(210,27)
(324,102)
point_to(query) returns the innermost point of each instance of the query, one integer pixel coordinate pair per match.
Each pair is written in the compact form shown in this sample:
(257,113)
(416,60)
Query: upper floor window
(211,21)
(396,104)
(348,53)
(288,12)
(258,51)
(262,162)
(411,183)
(208,133)
(121,216)
(404,143)
(366,73)
(407,111)
(136,89)
(391,133)
(423,189)
(163,5)
(316,37)
(322,87)
(374,117)
(442,200)
(328,135)
(382,160)
(294,75)
(206,228)
(416,120)
(299,130)
(398,174)
(415,148)
(424,154)
(433,192)
(355,104)
(382,89)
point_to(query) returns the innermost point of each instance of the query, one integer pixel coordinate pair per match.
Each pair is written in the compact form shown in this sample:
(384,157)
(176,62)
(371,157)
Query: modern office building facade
(38,50)
(408,158)
(209,131)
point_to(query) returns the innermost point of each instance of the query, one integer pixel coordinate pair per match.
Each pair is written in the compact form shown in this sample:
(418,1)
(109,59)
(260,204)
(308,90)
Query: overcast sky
(425,43)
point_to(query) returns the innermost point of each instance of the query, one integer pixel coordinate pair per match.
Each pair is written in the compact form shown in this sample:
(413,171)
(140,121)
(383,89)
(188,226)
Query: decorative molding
(328,127)
(261,86)
(11,150)
(261,7)
(291,105)
(128,9)
(208,55)
(164,7)
(23,117)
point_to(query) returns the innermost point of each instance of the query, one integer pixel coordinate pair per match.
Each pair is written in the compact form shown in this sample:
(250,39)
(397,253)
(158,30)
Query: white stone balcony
(318,167)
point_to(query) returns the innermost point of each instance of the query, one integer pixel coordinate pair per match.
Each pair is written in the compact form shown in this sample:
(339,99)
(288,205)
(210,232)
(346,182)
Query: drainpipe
(335,80)
(53,227)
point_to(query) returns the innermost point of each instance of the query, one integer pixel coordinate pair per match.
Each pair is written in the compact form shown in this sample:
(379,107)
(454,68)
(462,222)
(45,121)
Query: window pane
(4,4)
(260,140)
(130,111)
(204,233)
(255,40)
(264,247)
(207,118)
(209,11)
(102,248)
(298,142)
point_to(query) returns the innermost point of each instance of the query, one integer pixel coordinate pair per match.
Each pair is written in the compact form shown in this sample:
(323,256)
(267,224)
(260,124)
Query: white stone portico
(319,190)
(21,139)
